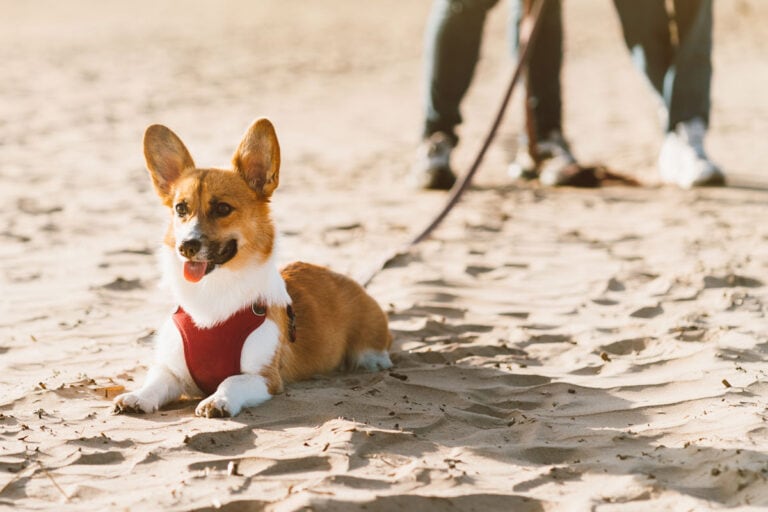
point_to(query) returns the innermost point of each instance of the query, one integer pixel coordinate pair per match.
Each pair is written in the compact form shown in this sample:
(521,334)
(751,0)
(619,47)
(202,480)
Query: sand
(554,349)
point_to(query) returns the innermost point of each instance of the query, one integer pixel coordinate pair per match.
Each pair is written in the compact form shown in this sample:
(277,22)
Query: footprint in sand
(121,284)
(100,458)
(425,310)
(144,251)
(101,441)
(297,465)
(353,482)
(433,329)
(614,285)
(626,347)
(229,442)
(731,281)
(434,503)
(647,312)
(547,339)
(477,270)
(455,354)
(602,301)
(486,351)
(15,237)
(30,206)
(250,466)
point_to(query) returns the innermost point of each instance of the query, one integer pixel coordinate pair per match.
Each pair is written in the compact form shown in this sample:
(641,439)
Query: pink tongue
(194,270)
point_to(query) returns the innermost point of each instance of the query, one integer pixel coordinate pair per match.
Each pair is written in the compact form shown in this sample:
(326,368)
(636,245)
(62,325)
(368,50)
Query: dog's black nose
(190,247)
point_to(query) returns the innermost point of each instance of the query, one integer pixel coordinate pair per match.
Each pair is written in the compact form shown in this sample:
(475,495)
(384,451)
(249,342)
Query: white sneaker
(432,170)
(556,165)
(682,160)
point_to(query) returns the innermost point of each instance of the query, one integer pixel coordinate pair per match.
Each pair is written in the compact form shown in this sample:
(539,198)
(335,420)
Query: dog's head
(218,217)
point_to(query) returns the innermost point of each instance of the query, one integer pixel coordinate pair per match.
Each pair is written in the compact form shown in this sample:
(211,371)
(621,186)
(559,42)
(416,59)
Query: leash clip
(259,309)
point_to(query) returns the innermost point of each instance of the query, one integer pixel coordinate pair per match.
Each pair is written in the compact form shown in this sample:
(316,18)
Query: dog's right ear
(167,158)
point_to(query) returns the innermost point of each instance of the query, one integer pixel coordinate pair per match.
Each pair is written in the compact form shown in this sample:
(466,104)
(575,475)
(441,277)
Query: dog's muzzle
(213,252)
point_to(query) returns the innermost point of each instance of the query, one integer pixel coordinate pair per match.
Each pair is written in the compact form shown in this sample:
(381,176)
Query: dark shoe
(556,165)
(432,170)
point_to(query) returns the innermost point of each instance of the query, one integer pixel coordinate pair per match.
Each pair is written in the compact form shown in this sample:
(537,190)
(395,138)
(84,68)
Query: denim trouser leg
(546,60)
(693,62)
(452,48)
(681,74)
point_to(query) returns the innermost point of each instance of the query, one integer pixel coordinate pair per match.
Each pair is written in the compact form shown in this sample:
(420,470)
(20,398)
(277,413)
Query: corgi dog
(243,328)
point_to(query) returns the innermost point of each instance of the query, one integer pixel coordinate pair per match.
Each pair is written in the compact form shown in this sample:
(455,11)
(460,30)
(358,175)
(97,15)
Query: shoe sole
(716,180)
(436,179)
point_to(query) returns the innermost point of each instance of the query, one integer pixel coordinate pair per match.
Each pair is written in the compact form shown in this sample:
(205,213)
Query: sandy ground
(554,349)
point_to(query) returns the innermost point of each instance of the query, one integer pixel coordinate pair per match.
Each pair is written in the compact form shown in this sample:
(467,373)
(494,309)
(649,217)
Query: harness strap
(213,354)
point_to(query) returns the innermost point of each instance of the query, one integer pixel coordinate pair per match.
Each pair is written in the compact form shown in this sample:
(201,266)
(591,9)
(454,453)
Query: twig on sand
(56,485)
(29,472)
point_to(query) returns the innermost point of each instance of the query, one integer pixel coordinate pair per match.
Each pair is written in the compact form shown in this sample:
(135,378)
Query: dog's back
(337,324)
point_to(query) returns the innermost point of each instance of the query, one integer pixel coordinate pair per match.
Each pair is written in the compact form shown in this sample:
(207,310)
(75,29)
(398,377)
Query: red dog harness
(214,354)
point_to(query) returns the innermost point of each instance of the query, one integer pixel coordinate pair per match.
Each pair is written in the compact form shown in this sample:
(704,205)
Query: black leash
(529,28)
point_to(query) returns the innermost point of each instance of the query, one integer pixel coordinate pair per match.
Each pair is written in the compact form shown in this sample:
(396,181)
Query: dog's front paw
(216,407)
(133,402)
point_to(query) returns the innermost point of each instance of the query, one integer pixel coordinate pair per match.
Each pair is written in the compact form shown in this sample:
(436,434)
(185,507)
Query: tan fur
(335,321)
(250,216)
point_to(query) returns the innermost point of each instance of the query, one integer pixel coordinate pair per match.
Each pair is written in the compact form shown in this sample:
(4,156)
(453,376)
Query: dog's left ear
(257,159)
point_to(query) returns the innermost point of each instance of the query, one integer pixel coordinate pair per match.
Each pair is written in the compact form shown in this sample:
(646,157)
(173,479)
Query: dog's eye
(181,209)
(222,209)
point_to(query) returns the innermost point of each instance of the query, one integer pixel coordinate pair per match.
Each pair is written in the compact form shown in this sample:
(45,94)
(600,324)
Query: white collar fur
(223,292)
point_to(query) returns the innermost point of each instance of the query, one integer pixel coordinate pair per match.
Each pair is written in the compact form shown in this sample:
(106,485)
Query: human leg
(648,38)
(544,65)
(692,64)
(679,68)
(550,158)
(451,51)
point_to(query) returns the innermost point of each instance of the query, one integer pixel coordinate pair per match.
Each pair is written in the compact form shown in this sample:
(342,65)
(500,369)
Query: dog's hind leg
(373,360)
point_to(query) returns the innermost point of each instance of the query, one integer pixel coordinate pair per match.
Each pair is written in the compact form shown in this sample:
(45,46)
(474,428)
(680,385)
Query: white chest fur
(222,292)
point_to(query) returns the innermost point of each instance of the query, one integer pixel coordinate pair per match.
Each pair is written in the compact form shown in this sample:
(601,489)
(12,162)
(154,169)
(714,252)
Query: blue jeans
(452,49)
(679,71)
(681,74)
